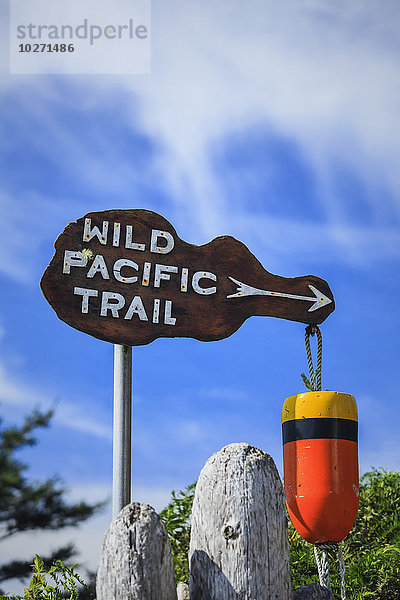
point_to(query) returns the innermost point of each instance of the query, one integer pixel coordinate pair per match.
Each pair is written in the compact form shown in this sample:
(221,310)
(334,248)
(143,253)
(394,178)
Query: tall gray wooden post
(121,494)
(239,546)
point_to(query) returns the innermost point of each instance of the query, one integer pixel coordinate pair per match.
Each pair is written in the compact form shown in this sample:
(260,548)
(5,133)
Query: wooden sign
(124,276)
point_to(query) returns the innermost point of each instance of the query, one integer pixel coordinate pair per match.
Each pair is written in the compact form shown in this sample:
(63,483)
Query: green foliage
(379,511)
(371,551)
(31,506)
(58,582)
(19,569)
(176,518)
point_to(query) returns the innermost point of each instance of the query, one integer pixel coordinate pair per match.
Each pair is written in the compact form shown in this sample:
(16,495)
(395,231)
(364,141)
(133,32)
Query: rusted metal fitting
(311,329)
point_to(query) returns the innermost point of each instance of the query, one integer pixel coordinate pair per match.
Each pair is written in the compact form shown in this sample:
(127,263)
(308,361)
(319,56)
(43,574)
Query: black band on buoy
(319,428)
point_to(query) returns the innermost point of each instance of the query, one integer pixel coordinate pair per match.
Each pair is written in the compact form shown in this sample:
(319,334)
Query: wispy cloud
(322,76)
(16,395)
(22,228)
(75,417)
(355,244)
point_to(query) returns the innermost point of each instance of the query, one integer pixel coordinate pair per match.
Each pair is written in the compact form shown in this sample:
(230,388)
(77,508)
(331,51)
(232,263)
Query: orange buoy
(320,457)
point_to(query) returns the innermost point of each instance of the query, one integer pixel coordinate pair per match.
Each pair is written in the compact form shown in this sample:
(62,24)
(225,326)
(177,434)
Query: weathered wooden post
(239,546)
(136,561)
(238,549)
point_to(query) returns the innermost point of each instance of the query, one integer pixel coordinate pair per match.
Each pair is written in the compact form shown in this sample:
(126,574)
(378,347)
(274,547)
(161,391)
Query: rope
(320,574)
(315,381)
(315,385)
(342,573)
(323,565)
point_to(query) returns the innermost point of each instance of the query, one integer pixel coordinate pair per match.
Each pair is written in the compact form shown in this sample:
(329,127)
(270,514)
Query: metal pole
(121,495)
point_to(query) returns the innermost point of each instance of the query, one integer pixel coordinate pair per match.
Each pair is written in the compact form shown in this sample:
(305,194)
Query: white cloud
(74,417)
(15,395)
(21,231)
(326,242)
(323,76)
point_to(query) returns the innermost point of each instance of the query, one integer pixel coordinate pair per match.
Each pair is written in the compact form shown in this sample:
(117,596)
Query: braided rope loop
(342,574)
(320,575)
(330,548)
(326,580)
(323,563)
(315,375)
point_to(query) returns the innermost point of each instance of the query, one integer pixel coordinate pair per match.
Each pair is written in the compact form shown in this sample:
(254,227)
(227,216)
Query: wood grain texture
(239,547)
(199,315)
(314,591)
(136,561)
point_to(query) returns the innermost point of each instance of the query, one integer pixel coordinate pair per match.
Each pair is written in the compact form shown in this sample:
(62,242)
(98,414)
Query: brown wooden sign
(124,276)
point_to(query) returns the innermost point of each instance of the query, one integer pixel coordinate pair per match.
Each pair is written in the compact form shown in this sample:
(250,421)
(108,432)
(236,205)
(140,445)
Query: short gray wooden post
(239,546)
(136,561)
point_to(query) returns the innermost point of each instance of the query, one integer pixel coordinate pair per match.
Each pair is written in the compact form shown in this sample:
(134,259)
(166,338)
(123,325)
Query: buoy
(320,456)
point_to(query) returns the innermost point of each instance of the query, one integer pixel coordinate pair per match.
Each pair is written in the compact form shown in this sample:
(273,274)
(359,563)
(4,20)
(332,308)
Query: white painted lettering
(156,311)
(124,262)
(203,275)
(89,232)
(168,319)
(162,272)
(108,304)
(98,266)
(136,307)
(117,234)
(128,240)
(86,294)
(73,259)
(184,280)
(157,234)
(146,274)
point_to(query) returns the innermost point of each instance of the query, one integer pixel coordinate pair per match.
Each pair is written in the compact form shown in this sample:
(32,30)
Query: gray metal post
(121,495)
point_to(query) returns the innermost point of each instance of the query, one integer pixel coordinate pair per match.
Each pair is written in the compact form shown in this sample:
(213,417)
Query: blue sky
(278,125)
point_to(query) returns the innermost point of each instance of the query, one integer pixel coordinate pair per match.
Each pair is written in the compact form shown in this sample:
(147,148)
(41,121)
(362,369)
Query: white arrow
(319,298)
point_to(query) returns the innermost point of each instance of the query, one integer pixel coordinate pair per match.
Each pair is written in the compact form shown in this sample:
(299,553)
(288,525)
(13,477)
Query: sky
(275,123)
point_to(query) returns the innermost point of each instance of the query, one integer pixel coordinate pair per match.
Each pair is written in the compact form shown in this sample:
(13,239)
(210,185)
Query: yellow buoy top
(324,405)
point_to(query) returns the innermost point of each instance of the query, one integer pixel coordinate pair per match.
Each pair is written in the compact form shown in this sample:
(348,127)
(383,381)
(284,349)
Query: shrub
(58,582)
(176,518)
